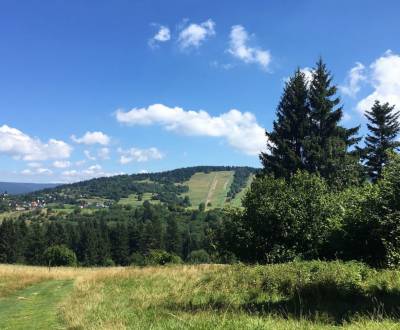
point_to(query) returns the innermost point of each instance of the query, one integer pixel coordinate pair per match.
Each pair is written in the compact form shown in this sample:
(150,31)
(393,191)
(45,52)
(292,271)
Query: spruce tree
(328,146)
(286,141)
(173,240)
(119,244)
(384,127)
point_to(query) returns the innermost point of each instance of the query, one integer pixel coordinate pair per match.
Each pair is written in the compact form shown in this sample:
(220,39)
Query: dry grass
(188,297)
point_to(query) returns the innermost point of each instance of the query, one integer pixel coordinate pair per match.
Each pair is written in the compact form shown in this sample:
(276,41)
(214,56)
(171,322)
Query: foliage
(383,126)
(59,255)
(161,257)
(198,257)
(289,219)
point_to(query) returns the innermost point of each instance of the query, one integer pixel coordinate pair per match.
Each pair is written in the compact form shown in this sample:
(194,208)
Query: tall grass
(299,295)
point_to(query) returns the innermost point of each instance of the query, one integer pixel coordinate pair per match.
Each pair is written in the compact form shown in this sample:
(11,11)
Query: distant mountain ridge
(15,188)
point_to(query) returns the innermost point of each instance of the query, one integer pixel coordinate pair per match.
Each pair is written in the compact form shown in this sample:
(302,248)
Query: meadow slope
(307,295)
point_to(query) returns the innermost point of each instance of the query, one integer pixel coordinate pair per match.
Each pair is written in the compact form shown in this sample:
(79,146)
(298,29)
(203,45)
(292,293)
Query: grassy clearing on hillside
(237,201)
(209,187)
(302,295)
(133,200)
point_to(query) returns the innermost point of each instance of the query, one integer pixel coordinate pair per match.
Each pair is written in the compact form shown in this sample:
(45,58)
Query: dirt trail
(212,189)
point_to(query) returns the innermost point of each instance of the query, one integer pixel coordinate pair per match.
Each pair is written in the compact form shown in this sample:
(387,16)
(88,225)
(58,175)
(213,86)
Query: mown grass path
(34,307)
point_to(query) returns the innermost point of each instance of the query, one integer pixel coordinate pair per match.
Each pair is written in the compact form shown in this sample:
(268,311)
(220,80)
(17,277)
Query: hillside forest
(324,192)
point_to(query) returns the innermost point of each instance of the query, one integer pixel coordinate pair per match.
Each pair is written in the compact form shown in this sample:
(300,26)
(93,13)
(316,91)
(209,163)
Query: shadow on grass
(325,303)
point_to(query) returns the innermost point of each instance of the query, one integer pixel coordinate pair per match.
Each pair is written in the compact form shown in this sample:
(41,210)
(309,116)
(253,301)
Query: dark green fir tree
(286,152)
(384,126)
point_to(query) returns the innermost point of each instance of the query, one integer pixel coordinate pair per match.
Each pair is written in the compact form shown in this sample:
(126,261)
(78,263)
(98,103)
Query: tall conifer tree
(286,142)
(384,127)
(328,144)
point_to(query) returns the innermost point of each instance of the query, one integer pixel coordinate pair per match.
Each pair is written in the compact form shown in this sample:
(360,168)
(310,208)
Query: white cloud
(308,72)
(21,146)
(385,79)
(139,155)
(89,155)
(240,130)
(80,162)
(162,35)
(94,171)
(195,34)
(92,138)
(239,48)
(44,171)
(61,164)
(34,164)
(104,153)
(355,77)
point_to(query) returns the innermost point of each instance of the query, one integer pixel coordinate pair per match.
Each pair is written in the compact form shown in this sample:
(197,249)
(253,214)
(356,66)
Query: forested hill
(189,186)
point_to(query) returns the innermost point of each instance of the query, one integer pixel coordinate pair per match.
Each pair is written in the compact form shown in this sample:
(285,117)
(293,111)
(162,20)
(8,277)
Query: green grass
(312,295)
(133,200)
(209,187)
(237,200)
(297,295)
(34,307)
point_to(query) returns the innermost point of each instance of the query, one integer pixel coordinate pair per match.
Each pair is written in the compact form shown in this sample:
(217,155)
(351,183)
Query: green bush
(161,257)
(59,255)
(137,259)
(198,257)
(290,219)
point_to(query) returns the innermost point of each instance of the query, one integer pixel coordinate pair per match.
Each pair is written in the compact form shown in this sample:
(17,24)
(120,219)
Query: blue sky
(90,88)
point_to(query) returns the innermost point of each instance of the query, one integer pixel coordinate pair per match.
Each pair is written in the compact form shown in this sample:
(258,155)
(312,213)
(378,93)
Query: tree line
(321,195)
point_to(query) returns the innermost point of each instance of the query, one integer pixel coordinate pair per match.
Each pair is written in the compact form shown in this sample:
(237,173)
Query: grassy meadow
(209,188)
(302,295)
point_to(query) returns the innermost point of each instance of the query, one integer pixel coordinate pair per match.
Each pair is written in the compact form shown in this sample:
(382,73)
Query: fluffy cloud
(92,138)
(104,153)
(139,155)
(21,146)
(94,171)
(239,48)
(61,164)
(89,155)
(43,171)
(355,77)
(162,35)
(385,80)
(240,130)
(195,34)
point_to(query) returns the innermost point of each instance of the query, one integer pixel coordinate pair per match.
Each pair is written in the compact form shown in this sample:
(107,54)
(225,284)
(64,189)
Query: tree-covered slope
(191,186)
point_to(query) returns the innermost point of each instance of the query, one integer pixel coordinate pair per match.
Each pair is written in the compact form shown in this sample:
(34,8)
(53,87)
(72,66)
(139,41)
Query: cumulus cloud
(92,138)
(240,130)
(34,164)
(193,35)
(354,79)
(94,171)
(139,155)
(42,171)
(239,48)
(103,153)
(88,155)
(21,146)
(163,35)
(384,77)
(61,164)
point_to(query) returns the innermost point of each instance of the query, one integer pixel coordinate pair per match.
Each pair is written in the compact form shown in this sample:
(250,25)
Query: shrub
(198,257)
(137,259)
(161,257)
(289,219)
(59,255)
